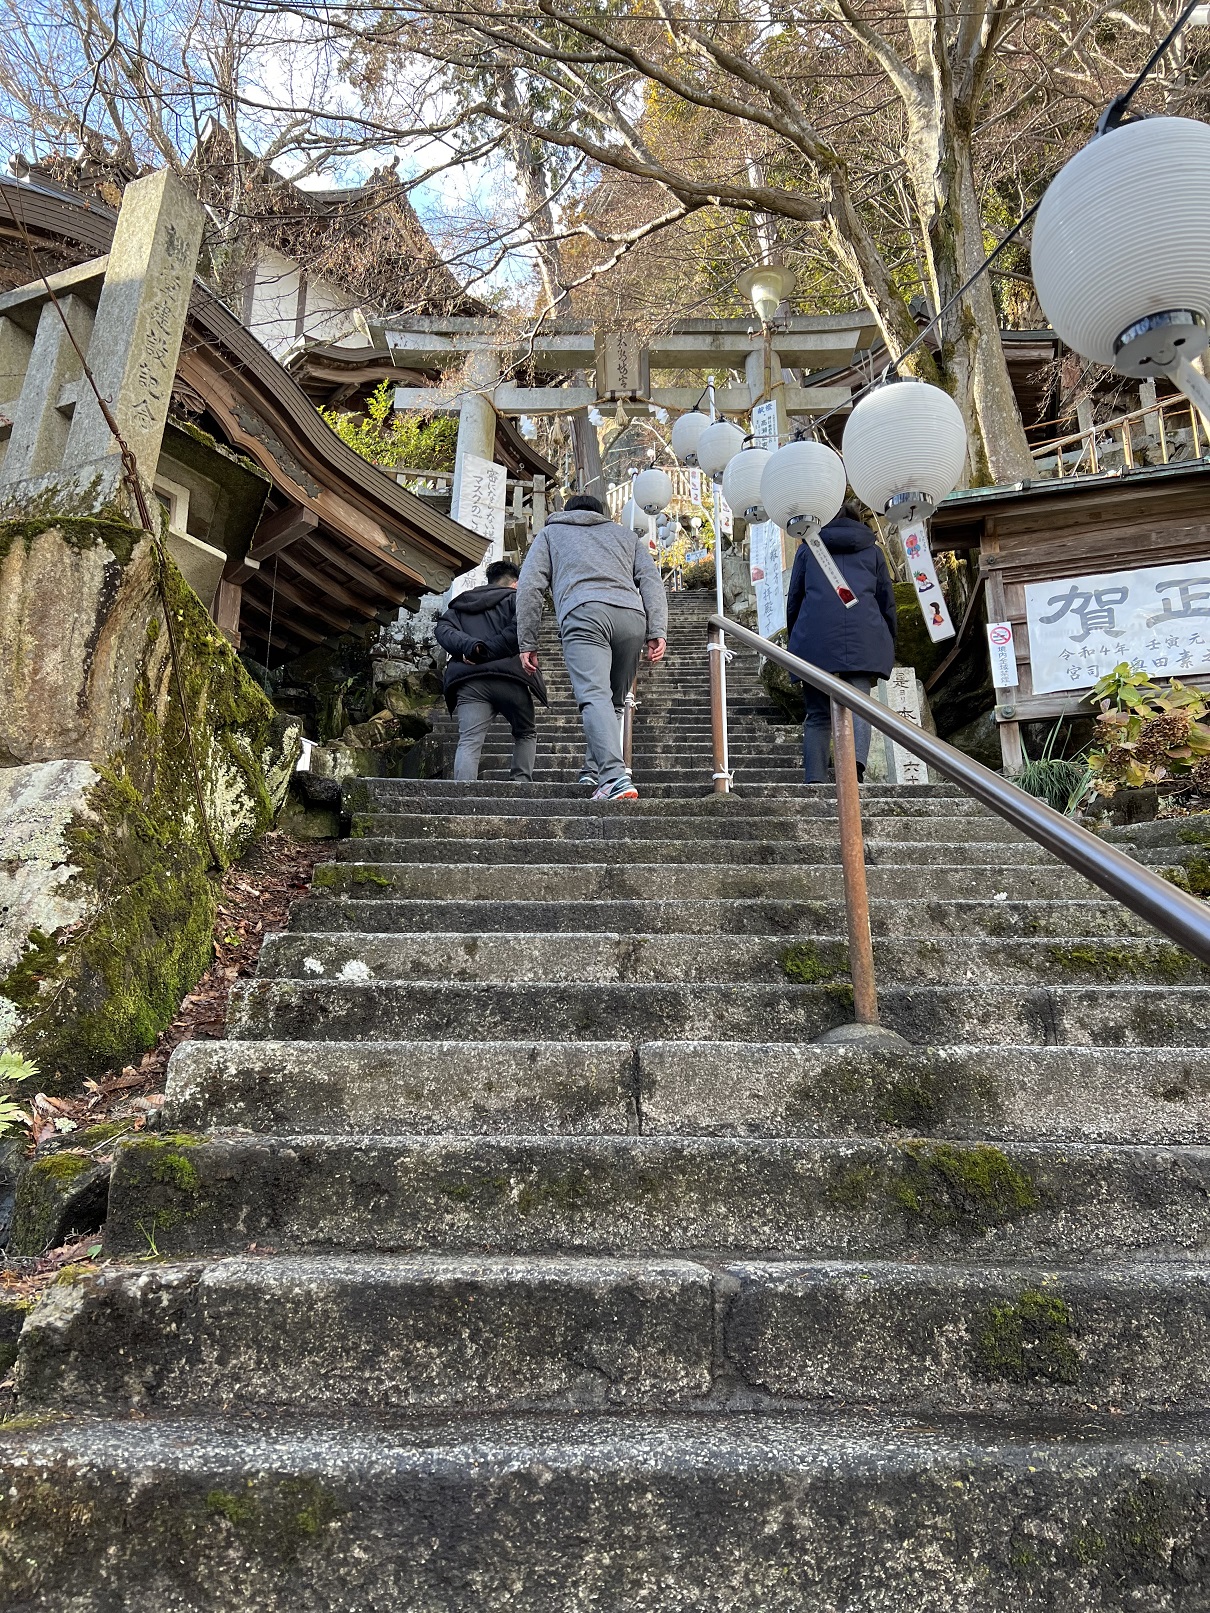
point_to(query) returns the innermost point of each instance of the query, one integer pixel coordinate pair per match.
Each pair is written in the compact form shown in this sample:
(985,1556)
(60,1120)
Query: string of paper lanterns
(903,450)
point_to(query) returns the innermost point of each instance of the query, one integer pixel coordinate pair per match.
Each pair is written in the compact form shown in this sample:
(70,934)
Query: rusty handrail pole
(717,652)
(852,862)
(1177,915)
(628,708)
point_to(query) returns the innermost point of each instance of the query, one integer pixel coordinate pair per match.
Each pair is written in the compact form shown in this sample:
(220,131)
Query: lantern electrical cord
(1120,105)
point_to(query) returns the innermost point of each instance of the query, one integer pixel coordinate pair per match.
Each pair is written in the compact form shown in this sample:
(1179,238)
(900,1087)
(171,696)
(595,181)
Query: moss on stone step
(1101,961)
(969,1186)
(810,964)
(1027,1340)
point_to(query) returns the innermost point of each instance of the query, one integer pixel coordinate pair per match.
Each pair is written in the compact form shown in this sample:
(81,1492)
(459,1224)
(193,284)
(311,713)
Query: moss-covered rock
(139,852)
(58,1193)
(913,646)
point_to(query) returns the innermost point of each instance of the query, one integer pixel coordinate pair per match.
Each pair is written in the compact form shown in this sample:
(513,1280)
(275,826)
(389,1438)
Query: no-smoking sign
(1003,654)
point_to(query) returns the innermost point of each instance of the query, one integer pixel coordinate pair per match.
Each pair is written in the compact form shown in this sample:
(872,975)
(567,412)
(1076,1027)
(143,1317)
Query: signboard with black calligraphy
(1157,618)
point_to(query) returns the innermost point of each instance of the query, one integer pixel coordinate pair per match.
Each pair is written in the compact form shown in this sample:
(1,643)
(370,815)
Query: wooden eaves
(340,542)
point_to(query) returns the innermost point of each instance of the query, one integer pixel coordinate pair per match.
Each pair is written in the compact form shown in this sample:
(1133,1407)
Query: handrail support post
(718,710)
(852,859)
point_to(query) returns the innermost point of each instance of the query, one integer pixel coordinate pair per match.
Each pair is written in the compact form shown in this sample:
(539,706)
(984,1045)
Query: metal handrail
(628,709)
(1179,916)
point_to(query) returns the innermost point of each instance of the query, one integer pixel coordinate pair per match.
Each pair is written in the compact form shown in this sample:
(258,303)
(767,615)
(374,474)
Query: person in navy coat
(856,642)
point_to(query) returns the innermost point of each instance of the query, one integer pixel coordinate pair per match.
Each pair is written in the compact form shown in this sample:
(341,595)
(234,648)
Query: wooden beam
(367,534)
(342,624)
(386,586)
(279,531)
(289,627)
(237,572)
(227,607)
(331,586)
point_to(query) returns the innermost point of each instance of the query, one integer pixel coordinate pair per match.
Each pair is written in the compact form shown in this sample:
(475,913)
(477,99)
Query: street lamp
(904,446)
(741,482)
(686,433)
(767,285)
(803,487)
(1121,251)
(651,490)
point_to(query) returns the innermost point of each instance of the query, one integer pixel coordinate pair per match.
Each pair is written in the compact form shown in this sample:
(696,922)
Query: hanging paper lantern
(1121,247)
(717,444)
(633,517)
(652,490)
(803,486)
(741,482)
(904,447)
(686,432)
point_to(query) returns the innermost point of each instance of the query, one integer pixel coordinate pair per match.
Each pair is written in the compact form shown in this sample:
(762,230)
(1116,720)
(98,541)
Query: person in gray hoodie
(610,601)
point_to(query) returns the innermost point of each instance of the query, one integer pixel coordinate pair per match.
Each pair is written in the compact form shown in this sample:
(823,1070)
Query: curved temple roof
(343,541)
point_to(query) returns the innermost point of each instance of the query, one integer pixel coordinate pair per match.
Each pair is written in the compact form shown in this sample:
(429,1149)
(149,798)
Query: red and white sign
(1003,654)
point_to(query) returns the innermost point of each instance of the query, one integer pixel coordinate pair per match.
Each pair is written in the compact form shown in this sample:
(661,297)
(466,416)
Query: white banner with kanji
(764,559)
(482,497)
(1156,617)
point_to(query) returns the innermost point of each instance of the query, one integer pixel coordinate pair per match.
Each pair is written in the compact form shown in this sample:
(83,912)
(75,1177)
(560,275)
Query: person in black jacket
(484,677)
(856,642)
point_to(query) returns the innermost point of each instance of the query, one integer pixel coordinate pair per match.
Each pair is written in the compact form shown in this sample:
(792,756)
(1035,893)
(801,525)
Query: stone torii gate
(622,369)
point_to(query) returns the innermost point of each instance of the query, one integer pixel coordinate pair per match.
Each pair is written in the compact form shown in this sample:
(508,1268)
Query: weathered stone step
(785,1513)
(819,851)
(750,1197)
(436,1010)
(990,1092)
(368,798)
(376,790)
(473,1087)
(806,824)
(678,778)
(1032,918)
(548,1333)
(597,881)
(588,957)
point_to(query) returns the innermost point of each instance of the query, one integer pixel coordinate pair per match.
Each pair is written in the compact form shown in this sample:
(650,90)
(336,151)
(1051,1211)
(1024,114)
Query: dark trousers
(480,701)
(817,728)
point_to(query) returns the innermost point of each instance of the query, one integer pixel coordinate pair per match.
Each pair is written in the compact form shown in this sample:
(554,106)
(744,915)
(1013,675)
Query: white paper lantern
(652,490)
(1121,246)
(904,446)
(633,517)
(717,444)
(803,486)
(741,482)
(686,432)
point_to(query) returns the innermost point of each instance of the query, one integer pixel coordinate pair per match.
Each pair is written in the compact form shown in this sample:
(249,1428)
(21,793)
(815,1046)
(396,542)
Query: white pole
(719,648)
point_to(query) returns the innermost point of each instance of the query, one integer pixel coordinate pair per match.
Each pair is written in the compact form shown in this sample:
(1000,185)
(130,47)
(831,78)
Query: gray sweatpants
(601,649)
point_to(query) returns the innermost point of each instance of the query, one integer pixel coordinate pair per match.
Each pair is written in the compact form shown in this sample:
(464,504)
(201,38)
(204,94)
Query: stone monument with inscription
(124,315)
(76,597)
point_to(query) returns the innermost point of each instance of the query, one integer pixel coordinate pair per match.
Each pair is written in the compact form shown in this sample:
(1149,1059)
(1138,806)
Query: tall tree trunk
(941,172)
(855,250)
(534,183)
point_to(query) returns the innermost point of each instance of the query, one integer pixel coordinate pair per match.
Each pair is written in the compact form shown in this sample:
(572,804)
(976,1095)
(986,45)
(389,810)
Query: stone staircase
(520,1250)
